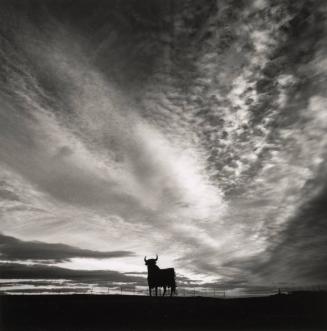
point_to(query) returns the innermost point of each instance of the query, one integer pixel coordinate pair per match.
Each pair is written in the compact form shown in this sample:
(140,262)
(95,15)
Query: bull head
(150,261)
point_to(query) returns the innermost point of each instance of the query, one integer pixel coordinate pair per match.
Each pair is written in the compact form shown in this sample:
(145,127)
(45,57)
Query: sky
(194,130)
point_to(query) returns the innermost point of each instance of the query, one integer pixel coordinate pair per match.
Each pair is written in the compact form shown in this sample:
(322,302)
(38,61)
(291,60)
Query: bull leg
(156,291)
(164,291)
(150,291)
(171,291)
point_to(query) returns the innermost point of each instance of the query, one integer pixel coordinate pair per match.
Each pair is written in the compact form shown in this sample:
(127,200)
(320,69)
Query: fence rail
(143,291)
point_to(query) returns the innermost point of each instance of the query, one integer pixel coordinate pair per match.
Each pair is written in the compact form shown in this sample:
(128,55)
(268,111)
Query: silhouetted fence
(144,291)
(207,292)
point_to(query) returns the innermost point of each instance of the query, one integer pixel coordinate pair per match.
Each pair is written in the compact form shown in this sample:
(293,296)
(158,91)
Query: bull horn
(144,258)
(156,257)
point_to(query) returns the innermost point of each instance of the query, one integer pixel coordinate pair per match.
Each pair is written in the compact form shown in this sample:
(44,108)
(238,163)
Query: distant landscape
(298,311)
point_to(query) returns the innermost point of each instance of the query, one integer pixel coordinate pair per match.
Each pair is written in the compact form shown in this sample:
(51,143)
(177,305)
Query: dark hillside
(304,311)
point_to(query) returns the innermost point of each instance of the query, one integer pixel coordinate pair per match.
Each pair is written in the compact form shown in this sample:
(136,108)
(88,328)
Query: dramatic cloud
(191,129)
(14,249)
(12,271)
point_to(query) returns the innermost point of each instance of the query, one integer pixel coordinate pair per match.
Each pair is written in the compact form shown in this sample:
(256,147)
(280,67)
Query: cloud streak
(125,127)
(14,249)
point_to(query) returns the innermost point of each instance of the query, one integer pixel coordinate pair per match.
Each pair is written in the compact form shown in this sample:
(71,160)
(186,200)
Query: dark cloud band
(14,249)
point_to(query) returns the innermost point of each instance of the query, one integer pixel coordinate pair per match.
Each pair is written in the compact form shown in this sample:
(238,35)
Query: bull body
(160,277)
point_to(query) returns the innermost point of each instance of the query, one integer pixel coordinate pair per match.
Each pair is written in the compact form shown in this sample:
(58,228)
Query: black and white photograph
(163,165)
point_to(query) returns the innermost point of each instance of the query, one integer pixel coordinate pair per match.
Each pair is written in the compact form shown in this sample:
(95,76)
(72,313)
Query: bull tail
(173,288)
(173,285)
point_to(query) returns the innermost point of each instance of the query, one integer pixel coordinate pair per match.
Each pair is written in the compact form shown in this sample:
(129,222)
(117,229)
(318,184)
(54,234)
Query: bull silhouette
(160,277)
